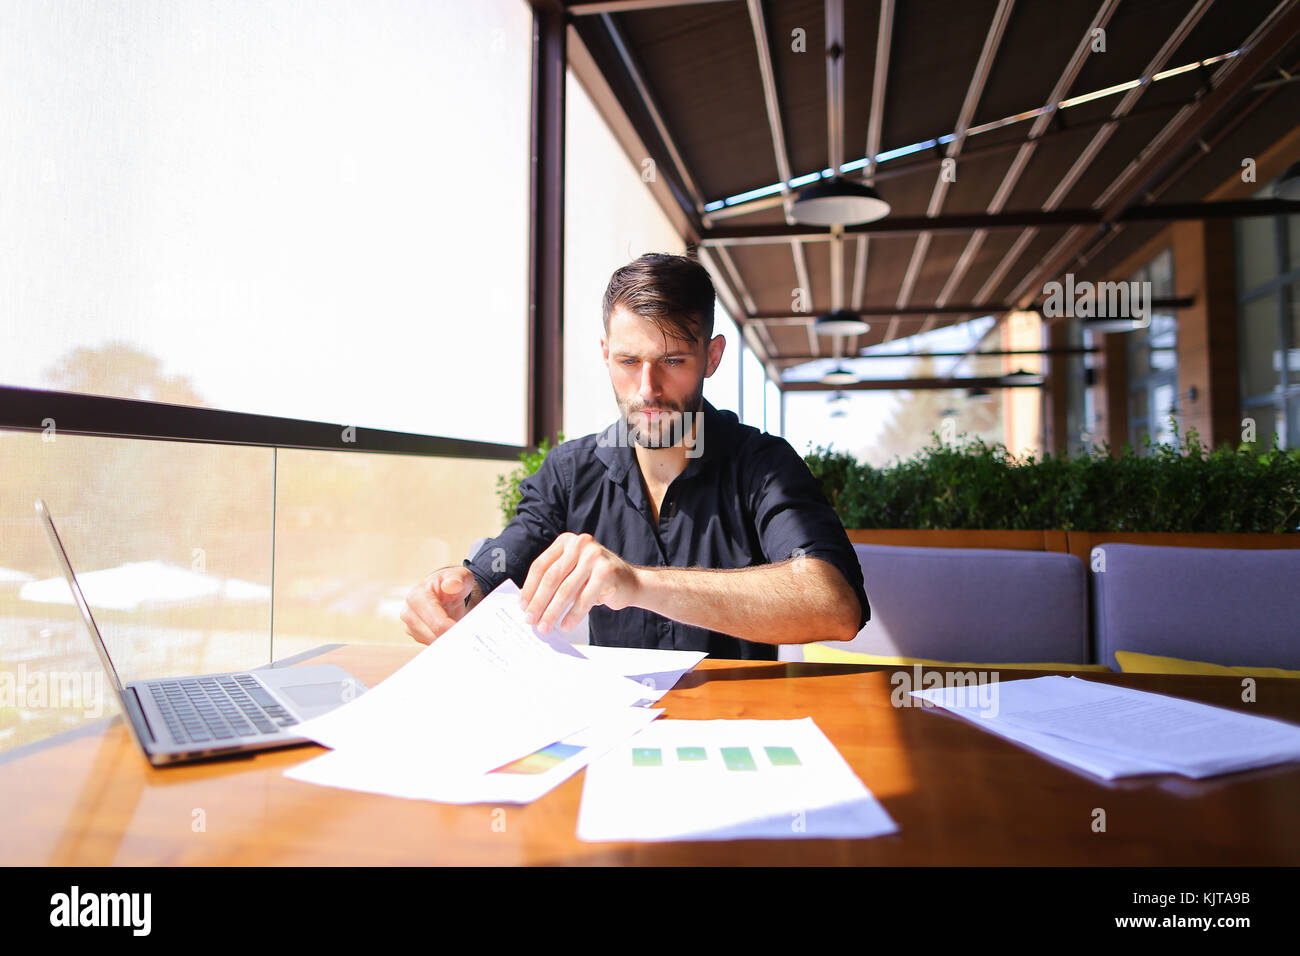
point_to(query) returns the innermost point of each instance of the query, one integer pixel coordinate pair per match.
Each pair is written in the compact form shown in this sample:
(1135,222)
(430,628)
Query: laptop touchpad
(313,697)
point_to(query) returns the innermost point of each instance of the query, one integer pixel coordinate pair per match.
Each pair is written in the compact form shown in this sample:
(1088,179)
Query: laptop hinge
(136,716)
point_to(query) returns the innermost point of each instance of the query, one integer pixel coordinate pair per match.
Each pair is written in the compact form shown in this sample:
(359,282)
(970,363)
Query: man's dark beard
(671,432)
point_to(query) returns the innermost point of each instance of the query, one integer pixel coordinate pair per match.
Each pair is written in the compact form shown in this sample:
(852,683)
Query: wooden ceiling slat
(1223,28)
(768,273)
(888,261)
(1136,33)
(995,246)
(936,47)
(939,262)
(1018,82)
(701,65)
(801,81)
(1043,241)
(1124,144)
(861,22)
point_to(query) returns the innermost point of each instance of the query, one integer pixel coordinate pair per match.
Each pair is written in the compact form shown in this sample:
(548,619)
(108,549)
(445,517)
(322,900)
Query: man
(677,527)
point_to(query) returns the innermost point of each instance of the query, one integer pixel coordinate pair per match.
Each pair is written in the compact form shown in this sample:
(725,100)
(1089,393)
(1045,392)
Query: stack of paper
(491,711)
(1116,732)
(727,780)
(521,781)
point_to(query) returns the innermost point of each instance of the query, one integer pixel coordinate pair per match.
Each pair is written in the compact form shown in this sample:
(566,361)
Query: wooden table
(960,796)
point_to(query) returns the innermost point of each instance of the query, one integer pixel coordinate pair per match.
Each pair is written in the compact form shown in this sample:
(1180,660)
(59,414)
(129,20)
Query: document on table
(1115,731)
(521,781)
(727,780)
(487,692)
(656,670)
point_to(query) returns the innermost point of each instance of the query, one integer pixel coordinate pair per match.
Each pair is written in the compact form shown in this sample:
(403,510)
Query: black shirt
(746,498)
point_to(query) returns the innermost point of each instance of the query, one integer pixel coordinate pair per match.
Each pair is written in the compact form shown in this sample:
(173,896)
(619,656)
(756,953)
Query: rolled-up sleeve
(794,519)
(539,519)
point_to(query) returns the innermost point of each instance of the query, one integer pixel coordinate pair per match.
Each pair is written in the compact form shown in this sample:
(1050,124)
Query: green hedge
(974,485)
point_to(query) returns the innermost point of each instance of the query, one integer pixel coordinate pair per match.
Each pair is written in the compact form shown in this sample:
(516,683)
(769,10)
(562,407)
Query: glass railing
(174,546)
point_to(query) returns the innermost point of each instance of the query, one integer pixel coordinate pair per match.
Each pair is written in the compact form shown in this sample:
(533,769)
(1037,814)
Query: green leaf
(530,461)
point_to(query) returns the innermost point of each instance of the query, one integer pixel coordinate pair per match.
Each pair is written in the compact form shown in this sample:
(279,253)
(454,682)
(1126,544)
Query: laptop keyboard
(204,709)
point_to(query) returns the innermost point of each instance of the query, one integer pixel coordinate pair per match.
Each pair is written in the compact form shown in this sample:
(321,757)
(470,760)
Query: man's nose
(649,387)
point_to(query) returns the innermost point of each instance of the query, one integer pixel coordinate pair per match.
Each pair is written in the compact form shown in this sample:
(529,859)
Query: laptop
(184,719)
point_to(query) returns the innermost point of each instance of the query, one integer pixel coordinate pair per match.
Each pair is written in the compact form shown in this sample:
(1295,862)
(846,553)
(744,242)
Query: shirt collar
(615,451)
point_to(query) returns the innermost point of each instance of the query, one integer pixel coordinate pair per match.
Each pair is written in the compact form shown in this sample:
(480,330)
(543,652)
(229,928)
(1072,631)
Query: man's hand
(576,569)
(437,602)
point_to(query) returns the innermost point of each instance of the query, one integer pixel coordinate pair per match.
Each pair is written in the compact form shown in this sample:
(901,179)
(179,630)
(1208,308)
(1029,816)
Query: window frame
(1144,420)
(36,410)
(1280,289)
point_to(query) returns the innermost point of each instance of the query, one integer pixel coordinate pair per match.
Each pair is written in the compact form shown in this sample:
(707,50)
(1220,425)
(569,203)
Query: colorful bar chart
(542,760)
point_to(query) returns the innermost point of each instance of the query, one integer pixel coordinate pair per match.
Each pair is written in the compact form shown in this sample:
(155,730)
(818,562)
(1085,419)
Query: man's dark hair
(673,292)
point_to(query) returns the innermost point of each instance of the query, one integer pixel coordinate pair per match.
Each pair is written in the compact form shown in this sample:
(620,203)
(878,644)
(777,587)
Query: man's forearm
(797,601)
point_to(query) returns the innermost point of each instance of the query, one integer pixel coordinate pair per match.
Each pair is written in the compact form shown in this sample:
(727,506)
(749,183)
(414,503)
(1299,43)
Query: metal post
(546,227)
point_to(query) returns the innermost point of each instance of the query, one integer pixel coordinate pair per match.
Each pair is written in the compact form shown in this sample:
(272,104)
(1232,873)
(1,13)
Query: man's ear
(604,348)
(716,347)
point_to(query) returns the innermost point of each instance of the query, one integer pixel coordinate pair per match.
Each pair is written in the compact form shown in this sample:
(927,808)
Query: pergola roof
(1064,190)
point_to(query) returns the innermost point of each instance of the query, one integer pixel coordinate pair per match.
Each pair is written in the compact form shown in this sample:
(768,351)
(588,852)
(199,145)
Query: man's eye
(674,361)
(629,361)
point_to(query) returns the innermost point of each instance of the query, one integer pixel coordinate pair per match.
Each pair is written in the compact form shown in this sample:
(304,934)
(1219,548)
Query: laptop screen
(77,596)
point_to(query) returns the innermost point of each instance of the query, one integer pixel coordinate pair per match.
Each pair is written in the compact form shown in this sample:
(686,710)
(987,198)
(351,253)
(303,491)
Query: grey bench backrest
(1224,606)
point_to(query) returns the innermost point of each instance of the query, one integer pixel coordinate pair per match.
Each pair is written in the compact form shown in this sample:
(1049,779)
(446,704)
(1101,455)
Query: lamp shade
(839,375)
(840,322)
(1023,377)
(838,202)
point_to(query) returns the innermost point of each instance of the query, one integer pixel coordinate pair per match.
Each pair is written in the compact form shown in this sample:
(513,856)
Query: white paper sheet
(726,780)
(1099,763)
(654,669)
(384,773)
(487,692)
(1119,731)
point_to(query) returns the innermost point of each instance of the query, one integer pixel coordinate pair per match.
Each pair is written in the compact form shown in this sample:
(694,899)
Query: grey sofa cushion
(1224,606)
(974,604)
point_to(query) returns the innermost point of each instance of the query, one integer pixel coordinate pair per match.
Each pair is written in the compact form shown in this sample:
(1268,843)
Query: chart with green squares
(732,758)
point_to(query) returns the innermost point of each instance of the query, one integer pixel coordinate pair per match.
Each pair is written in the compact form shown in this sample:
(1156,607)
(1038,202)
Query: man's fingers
(560,568)
(596,588)
(452,586)
(416,627)
(541,564)
(427,617)
(566,593)
(430,606)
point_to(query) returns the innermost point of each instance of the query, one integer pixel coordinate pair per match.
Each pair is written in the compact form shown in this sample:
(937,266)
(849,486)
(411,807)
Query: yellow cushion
(1131,662)
(820,653)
